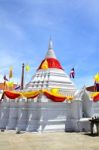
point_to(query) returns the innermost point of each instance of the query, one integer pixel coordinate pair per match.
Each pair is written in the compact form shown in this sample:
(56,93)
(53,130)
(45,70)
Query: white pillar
(72,122)
(13,115)
(22,115)
(4,113)
(34,115)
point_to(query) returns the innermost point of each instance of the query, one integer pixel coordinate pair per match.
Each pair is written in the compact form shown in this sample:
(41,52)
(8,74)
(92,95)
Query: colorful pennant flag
(27,68)
(96,77)
(10,84)
(17,87)
(72,73)
(5,78)
(10,73)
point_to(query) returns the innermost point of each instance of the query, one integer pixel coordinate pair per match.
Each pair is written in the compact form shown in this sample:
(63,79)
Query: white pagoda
(50,74)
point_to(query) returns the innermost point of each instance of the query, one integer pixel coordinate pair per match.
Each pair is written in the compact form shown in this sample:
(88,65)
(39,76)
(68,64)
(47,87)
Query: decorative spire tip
(50,44)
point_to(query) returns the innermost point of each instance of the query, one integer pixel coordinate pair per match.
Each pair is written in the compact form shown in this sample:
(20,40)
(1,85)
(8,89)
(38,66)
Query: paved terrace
(9,140)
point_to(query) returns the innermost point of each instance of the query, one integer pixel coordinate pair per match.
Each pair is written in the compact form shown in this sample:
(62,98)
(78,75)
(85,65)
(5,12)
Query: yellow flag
(27,68)
(96,77)
(10,73)
(10,84)
(44,65)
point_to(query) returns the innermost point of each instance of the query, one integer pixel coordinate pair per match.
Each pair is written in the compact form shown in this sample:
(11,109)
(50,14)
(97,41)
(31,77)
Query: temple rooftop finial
(50,52)
(50,44)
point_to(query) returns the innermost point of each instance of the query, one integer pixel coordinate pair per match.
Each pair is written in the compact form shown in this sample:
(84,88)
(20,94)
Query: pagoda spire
(50,52)
(50,44)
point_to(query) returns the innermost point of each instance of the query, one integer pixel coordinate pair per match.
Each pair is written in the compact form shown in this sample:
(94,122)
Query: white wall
(40,116)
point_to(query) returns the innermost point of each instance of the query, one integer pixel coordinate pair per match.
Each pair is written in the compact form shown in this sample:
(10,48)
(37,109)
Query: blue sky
(25,29)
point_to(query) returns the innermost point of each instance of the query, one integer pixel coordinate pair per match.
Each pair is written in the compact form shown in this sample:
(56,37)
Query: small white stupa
(50,74)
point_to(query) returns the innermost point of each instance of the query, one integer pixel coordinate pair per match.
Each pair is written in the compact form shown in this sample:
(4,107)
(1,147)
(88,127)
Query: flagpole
(4,85)
(95,86)
(22,77)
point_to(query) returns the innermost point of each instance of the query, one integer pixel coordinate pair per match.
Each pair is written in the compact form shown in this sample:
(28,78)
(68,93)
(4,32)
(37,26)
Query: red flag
(72,73)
